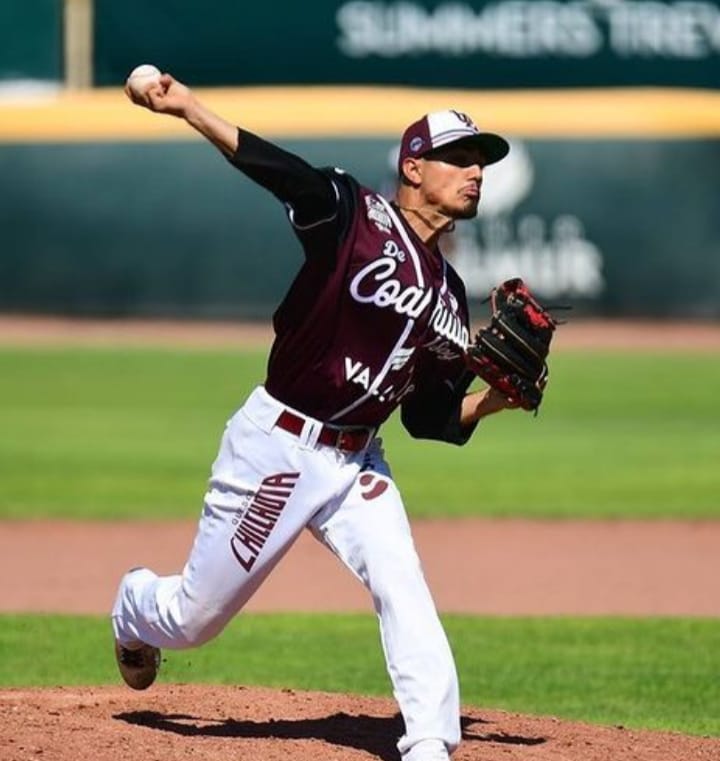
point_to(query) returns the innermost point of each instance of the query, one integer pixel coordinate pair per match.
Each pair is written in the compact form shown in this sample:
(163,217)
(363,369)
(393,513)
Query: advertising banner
(441,43)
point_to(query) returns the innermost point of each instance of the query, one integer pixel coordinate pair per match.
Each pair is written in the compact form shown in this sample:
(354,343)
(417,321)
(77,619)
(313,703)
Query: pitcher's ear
(411,172)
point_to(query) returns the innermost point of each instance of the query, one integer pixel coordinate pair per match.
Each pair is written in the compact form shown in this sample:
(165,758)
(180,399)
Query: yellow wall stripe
(106,115)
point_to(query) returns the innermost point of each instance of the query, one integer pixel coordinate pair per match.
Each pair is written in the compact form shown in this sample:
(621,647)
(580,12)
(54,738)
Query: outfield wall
(608,200)
(31,41)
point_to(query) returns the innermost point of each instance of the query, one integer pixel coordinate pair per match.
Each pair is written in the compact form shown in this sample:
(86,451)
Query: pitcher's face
(451,178)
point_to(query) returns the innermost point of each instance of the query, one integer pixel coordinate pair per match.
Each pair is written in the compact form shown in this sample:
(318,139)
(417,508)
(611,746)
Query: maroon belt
(346,439)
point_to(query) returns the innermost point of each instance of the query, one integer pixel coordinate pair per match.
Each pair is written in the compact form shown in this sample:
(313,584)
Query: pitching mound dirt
(172,722)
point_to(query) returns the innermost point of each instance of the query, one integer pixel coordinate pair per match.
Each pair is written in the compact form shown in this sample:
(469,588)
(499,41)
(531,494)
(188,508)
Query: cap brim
(493,147)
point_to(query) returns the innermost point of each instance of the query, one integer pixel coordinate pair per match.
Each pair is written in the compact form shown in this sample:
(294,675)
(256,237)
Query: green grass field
(102,434)
(91,433)
(657,673)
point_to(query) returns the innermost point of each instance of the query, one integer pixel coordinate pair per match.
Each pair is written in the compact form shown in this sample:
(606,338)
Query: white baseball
(142,77)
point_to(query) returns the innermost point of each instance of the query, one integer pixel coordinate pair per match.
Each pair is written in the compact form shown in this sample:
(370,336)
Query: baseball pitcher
(376,318)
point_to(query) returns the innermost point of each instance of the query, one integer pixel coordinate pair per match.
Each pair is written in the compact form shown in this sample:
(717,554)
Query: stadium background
(608,200)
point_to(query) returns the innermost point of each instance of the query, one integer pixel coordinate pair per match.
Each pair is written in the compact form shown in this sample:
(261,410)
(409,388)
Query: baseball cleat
(138,666)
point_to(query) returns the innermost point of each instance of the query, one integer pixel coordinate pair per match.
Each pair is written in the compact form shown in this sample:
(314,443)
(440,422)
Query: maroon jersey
(374,318)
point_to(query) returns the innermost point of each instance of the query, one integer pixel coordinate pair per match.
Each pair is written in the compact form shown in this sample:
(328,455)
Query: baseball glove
(510,353)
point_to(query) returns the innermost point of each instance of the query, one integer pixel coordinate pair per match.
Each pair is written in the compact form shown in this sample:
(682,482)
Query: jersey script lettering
(364,288)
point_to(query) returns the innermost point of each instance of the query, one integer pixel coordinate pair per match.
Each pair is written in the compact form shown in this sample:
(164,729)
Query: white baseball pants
(266,486)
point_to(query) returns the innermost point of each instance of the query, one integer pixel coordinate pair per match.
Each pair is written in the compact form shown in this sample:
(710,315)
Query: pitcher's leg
(187,609)
(370,533)
(263,490)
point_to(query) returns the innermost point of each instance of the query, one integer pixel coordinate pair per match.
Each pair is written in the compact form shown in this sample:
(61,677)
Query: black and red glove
(510,354)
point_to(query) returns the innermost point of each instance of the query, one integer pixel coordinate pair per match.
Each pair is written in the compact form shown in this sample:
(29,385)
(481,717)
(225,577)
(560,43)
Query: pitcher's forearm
(219,132)
(480,404)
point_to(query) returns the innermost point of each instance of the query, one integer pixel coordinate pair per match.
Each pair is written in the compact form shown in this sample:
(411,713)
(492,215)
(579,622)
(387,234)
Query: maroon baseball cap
(444,127)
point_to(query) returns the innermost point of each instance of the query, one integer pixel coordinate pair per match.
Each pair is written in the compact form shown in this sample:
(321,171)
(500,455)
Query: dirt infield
(180,722)
(579,334)
(474,566)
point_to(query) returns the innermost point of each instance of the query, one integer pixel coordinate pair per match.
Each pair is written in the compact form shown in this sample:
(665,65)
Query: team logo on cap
(466,120)
(416,144)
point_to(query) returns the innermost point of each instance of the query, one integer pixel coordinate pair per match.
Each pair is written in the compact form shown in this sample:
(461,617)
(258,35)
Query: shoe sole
(139,677)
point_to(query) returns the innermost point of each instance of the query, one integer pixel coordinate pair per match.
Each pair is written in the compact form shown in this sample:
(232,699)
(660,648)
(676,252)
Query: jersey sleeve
(319,202)
(432,410)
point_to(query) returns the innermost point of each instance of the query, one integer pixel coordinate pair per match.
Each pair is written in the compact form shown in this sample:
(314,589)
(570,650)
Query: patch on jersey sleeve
(377,214)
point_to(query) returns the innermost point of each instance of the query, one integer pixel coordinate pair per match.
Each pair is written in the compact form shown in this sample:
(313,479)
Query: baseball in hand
(141,78)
